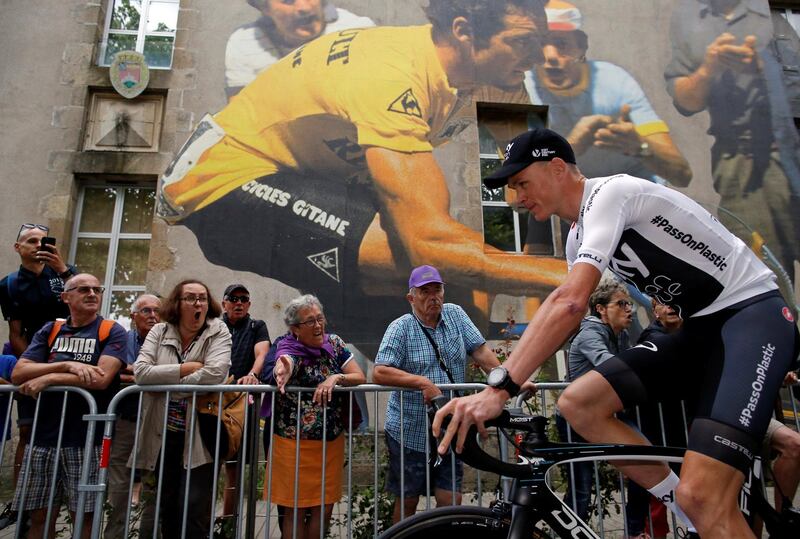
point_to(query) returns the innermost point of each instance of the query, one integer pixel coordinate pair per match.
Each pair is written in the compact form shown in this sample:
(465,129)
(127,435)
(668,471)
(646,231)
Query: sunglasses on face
(311,323)
(194,298)
(86,289)
(239,299)
(31,226)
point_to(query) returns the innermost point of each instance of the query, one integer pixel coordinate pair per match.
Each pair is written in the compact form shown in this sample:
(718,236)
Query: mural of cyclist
(340,183)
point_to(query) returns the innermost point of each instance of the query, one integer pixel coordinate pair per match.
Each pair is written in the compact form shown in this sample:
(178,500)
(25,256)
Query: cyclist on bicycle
(738,340)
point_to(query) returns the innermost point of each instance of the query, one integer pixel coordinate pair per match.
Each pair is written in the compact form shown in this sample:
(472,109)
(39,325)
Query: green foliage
(365,498)
(126,16)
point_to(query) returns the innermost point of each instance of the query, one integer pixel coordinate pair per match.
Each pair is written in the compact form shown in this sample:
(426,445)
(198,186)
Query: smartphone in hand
(46,242)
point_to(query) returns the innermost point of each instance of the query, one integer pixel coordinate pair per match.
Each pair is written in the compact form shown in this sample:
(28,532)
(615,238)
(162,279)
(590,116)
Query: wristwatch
(499,378)
(645,150)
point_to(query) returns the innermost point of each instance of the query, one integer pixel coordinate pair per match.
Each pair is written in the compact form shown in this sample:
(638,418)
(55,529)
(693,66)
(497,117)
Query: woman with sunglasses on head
(310,357)
(191,346)
(600,336)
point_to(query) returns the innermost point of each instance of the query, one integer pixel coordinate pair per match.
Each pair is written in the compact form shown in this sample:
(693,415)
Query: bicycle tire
(466,522)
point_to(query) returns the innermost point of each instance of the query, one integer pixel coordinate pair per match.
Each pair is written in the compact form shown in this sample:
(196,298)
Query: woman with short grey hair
(292,312)
(310,357)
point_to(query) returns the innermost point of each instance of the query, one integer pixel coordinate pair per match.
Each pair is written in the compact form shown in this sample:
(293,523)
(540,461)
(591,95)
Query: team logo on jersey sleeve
(406,103)
(787,314)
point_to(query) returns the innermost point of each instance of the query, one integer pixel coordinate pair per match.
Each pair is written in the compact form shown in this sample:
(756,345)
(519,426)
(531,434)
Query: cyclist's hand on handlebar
(465,412)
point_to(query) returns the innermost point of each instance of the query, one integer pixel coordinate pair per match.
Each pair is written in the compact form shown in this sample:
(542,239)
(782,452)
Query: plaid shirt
(405,346)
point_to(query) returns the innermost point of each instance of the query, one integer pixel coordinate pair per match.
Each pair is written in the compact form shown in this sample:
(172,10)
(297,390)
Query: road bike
(533,510)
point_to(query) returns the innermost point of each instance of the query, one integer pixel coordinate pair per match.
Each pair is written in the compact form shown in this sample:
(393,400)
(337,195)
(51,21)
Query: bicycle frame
(532,500)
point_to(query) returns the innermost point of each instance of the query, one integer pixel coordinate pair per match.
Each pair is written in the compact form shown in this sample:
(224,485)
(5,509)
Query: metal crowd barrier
(256,518)
(83,488)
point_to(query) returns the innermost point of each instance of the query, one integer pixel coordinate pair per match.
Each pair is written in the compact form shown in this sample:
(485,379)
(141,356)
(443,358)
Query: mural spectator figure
(310,357)
(426,347)
(326,170)
(250,344)
(601,336)
(600,108)
(145,313)
(283,26)
(732,59)
(84,351)
(191,346)
(30,297)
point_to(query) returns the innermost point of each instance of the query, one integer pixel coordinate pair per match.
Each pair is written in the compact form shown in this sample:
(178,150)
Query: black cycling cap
(535,145)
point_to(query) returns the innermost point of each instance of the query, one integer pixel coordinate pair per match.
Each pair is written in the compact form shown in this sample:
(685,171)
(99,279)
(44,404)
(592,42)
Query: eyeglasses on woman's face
(311,322)
(622,304)
(195,299)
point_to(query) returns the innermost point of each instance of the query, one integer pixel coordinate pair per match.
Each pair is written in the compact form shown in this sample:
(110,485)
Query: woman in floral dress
(310,357)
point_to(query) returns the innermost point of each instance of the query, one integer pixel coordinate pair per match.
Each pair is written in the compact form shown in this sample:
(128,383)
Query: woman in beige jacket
(191,346)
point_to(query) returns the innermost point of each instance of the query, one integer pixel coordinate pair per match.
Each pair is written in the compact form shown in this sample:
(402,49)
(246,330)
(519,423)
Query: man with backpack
(30,297)
(84,351)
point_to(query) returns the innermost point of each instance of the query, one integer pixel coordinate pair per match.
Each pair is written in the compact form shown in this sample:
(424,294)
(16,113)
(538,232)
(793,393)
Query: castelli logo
(787,314)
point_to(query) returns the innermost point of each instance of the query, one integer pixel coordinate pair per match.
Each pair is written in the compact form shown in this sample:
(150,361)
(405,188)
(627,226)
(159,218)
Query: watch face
(496,376)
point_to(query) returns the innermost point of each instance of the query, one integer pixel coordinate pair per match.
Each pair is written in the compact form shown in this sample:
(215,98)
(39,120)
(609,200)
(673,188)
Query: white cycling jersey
(666,245)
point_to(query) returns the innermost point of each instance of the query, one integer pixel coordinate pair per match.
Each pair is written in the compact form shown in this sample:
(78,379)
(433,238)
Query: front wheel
(461,522)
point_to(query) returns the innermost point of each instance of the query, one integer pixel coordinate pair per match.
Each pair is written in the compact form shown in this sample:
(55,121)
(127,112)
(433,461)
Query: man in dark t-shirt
(83,351)
(30,297)
(250,344)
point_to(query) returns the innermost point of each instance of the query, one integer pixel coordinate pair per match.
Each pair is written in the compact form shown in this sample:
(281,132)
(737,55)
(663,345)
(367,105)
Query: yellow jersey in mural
(315,111)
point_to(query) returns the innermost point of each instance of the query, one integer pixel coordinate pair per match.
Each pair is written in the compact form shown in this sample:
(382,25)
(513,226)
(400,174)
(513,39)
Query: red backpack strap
(54,331)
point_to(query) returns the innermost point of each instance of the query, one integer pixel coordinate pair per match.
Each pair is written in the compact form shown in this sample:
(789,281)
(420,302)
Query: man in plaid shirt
(409,358)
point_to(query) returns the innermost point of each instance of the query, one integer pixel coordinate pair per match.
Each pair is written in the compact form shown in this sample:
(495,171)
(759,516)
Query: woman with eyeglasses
(191,346)
(310,357)
(600,336)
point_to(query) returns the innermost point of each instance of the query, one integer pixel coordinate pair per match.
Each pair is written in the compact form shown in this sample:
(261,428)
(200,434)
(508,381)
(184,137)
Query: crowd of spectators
(189,338)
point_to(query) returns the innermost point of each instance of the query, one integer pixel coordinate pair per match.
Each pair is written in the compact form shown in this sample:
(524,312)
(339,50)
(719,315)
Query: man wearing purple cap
(419,350)
(737,342)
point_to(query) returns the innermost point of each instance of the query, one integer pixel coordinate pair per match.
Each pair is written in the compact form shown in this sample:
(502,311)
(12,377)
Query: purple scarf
(306,355)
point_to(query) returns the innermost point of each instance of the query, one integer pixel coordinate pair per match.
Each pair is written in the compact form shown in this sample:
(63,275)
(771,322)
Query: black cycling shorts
(728,366)
(302,230)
